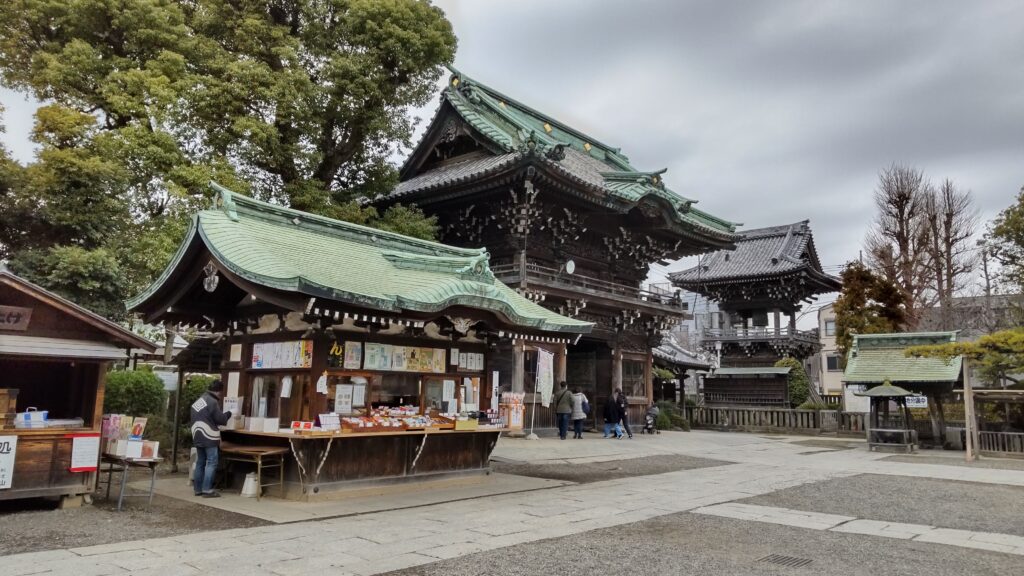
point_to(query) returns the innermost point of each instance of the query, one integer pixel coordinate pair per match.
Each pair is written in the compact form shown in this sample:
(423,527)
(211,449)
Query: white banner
(545,376)
(8,447)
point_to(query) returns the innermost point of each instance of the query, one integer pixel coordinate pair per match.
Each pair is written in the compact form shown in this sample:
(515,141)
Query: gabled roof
(761,253)
(875,358)
(673,353)
(116,333)
(515,132)
(309,255)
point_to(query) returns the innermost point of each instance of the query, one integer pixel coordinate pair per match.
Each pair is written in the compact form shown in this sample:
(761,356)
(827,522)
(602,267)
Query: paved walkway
(389,540)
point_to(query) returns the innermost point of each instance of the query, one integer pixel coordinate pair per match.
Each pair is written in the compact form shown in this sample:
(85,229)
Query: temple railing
(760,334)
(1001,442)
(590,286)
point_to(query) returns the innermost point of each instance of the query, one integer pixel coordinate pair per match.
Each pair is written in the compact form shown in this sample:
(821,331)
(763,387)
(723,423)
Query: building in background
(830,371)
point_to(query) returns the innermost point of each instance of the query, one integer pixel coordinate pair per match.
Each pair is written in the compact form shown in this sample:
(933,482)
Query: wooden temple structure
(760,287)
(320,320)
(570,224)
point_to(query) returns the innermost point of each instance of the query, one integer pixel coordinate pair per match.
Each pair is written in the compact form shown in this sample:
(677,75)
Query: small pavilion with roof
(772,272)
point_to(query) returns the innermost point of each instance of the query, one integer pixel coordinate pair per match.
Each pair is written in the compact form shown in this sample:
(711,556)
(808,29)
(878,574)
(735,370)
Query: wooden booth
(54,357)
(366,353)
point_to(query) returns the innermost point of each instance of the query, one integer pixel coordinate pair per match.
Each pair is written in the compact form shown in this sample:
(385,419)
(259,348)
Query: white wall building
(830,373)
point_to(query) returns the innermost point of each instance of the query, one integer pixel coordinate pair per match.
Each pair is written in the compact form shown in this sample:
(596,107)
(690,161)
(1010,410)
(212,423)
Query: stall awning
(17,345)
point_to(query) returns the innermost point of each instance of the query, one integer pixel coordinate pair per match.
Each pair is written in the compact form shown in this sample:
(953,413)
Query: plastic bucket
(251,486)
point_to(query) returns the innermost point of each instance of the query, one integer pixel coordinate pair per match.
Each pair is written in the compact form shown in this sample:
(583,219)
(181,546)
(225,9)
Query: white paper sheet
(233,378)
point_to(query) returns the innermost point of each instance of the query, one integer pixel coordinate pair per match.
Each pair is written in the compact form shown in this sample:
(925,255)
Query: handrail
(759,333)
(555,276)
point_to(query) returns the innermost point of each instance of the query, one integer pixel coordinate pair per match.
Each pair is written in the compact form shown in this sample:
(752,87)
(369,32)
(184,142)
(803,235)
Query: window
(279,395)
(830,327)
(633,381)
(832,363)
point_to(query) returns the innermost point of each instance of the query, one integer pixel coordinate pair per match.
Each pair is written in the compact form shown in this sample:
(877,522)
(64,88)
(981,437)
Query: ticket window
(349,394)
(397,390)
(279,396)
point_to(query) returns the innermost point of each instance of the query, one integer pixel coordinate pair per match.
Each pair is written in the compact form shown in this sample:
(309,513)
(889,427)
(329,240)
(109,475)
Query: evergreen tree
(868,304)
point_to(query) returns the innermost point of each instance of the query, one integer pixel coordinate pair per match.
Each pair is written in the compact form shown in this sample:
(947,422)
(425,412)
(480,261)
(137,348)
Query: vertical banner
(8,448)
(545,376)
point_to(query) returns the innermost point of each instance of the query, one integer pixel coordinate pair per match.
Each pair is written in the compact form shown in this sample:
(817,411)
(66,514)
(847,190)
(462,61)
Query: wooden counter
(42,461)
(326,463)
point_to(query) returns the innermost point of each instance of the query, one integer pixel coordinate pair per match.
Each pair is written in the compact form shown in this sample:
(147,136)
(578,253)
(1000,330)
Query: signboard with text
(14,318)
(8,448)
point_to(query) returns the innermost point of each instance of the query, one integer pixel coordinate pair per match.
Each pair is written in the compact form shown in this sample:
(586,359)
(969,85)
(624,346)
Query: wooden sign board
(14,318)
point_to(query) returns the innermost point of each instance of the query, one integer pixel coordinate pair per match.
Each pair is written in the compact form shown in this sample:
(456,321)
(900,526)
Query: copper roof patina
(877,358)
(514,132)
(297,252)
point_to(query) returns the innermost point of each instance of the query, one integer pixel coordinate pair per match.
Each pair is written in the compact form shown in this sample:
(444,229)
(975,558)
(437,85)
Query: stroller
(650,419)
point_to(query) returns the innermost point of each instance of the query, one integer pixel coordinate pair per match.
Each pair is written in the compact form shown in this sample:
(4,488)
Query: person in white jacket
(580,408)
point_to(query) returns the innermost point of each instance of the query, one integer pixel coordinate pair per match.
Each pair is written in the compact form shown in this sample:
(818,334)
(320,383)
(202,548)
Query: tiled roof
(518,131)
(875,358)
(761,252)
(675,354)
(294,251)
(752,371)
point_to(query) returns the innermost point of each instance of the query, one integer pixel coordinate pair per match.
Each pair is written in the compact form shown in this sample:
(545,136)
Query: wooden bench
(262,456)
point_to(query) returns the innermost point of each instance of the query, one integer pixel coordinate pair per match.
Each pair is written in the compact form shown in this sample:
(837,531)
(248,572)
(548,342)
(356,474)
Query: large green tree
(868,304)
(301,102)
(1007,241)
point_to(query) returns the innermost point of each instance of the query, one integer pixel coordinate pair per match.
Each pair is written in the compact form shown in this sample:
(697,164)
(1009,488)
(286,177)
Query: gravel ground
(584,473)
(987,463)
(942,503)
(692,544)
(36,524)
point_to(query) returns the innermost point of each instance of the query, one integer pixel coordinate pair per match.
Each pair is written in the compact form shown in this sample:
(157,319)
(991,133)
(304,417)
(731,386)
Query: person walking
(612,416)
(580,407)
(206,417)
(623,404)
(563,409)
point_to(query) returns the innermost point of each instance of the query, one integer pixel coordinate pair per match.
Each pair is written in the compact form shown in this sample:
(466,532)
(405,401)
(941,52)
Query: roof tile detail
(875,358)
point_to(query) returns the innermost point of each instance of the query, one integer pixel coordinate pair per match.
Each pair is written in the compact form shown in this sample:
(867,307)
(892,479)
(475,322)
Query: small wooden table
(256,455)
(123,465)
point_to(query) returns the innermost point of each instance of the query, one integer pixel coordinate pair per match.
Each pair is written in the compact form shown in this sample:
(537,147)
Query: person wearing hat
(206,420)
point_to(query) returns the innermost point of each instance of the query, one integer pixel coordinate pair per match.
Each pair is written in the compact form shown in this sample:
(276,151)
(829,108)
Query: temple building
(568,222)
(759,288)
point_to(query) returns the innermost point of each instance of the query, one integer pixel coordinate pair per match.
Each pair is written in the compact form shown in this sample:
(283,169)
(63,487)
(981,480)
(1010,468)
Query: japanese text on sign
(14,318)
(8,448)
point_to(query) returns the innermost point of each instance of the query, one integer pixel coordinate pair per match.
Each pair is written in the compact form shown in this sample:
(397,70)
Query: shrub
(159,428)
(812,405)
(134,392)
(663,421)
(799,384)
(675,415)
(663,374)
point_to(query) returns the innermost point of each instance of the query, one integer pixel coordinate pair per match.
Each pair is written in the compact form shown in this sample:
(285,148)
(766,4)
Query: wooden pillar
(560,362)
(649,376)
(518,366)
(970,423)
(778,320)
(616,368)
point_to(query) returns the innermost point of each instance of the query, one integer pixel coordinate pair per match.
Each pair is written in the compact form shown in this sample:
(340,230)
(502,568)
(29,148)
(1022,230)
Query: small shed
(885,431)
(878,358)
(54,356)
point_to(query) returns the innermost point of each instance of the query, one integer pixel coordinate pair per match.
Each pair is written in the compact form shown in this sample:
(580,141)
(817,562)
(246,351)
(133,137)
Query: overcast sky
(765,112)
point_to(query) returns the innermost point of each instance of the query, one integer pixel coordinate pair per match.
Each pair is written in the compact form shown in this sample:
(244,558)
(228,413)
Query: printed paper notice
(85,453)
(8,447)
(353,355)
(343,399)
(359,395)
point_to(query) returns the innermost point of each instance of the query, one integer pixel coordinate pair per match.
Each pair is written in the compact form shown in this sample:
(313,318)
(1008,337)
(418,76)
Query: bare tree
(952,221)
(898,245)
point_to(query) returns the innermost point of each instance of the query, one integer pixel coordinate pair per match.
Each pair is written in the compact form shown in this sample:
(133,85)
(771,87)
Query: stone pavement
(389,540)
(1008,543)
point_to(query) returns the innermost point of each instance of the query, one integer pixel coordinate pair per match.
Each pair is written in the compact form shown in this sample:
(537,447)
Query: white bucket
(251,486)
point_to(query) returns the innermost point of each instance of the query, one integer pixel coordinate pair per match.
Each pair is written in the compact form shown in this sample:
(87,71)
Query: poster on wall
(85,452)
(272,355)
(343,399)
(372,356)
(399,360)
(386,351)
(545,376)
(438,365)
(8,448)
(353,355)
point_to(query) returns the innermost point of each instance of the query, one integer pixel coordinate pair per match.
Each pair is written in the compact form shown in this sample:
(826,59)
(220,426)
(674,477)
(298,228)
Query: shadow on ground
(586,472)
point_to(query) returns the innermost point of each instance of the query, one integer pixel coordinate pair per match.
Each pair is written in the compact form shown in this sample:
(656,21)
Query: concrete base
(71,502)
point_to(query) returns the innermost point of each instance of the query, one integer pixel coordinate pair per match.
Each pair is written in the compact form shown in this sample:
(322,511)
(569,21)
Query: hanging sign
(85,452)
(545,376)
(8,447)
(14,318)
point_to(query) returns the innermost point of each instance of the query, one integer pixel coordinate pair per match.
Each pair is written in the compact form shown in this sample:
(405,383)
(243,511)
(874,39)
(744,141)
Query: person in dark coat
(206,420)
(612,415)
(623,404)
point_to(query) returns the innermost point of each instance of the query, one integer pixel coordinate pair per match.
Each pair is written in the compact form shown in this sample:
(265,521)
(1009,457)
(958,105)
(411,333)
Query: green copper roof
(875,358)
(515,130)
(294,251)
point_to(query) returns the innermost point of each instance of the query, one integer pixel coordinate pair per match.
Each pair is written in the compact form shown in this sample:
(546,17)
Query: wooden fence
(1001,443)
(776,420)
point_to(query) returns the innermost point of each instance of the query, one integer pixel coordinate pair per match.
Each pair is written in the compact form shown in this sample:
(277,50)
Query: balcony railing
(759,334)
(587,285)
